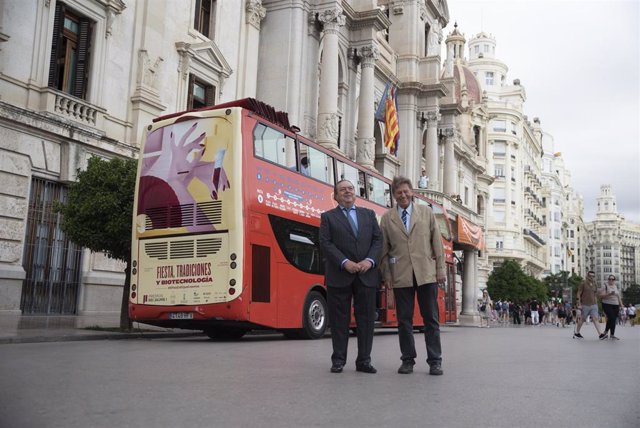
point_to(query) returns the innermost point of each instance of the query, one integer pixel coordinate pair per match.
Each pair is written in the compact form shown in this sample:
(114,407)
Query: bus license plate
(180,315)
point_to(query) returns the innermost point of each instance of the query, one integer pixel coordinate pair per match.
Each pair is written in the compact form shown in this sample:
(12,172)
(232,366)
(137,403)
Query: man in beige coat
(413,264)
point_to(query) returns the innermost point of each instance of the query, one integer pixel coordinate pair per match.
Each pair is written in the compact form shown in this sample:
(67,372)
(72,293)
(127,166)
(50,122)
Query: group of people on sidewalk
(586,307)
(405,251)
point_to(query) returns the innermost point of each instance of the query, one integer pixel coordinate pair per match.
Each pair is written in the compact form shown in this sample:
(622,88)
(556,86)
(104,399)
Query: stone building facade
(82,78)
(515,208)
(613,243)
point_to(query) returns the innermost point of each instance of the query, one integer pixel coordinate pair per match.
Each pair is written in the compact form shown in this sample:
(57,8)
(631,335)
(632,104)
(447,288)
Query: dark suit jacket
(338,242)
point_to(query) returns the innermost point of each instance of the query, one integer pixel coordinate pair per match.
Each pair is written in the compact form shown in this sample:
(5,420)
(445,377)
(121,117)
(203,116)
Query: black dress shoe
(337,368)
(435,370)
(406,368)
(366,368)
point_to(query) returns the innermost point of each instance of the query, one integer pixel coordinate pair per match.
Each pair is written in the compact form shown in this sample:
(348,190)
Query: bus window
(347,172)
(439,214)
(299,243)
(274,146)
(320,165)
(379,191)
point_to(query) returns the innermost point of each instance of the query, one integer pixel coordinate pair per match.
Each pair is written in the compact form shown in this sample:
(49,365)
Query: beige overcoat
(418,251)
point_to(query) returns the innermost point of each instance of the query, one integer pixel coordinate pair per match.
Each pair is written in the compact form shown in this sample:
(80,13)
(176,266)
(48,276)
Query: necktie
(405,218)
(351,222)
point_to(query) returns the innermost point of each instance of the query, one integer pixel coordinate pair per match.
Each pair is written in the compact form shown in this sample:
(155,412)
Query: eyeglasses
(612,279)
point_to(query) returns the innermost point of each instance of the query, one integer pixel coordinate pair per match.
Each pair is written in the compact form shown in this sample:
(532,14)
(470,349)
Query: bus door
(450,314)
(261,274)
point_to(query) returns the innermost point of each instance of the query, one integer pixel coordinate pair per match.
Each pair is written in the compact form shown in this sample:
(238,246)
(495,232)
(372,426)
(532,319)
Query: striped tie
(351,221)
(404,218)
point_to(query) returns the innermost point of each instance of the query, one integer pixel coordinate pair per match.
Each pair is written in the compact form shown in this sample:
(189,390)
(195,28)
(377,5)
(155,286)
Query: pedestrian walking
(350,240)
(484,308)
(631,313)
(588,306)
(611,302)
(534,305)
(413,265)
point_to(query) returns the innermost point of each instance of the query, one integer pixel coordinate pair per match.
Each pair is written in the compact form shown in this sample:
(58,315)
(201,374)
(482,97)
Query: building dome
(464,78)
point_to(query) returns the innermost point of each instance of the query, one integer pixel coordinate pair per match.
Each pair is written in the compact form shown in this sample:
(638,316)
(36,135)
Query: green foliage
(97,212)
(631,295)
(560,281)
(510,282)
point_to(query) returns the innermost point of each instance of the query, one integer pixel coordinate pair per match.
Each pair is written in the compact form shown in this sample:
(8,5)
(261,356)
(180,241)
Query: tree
(557,282)
(574,283)
(631,295)
(97,214)
(510,282)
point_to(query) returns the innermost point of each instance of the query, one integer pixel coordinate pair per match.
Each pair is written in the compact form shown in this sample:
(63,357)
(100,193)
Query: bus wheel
(314,316)
(225,333)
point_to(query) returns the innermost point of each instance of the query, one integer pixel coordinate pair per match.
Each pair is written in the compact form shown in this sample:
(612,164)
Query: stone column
(327,122)
(431,149)
(366,142)
(469,283)
(449,176)
(469,313)
(255,13)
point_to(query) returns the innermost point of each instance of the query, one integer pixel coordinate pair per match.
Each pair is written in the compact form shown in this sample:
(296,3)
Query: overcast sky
(579,64)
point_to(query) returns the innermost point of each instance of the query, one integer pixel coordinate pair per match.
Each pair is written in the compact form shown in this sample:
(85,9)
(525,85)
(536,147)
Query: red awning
(469,233)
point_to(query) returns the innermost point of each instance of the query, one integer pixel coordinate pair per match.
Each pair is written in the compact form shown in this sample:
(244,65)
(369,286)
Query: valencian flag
(388,113)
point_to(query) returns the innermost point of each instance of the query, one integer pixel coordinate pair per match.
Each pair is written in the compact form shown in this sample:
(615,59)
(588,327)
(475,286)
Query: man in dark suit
(350,240)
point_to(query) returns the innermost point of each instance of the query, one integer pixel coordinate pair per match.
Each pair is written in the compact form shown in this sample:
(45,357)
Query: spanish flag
(392,131)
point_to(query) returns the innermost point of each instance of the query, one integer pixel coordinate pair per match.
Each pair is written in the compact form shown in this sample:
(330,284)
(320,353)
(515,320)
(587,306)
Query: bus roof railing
(264,110)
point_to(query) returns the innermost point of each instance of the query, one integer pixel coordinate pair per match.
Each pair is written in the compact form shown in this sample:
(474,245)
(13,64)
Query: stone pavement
(16,328)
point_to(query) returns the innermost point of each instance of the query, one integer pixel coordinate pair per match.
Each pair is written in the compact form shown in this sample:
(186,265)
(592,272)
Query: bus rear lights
(134,263)
(232,282)
(233,265)
(133,287)
(133,295)
(134,271)
(233,256)
(232,291)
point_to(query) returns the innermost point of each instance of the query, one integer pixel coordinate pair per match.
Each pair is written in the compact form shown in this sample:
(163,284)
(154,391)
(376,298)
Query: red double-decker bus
(226,219)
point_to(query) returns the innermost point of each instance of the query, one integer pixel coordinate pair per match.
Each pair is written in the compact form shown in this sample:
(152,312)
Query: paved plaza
(497,377)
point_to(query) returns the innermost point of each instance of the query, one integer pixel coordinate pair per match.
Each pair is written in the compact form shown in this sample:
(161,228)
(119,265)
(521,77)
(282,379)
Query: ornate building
(613,243)
(515,208)
(82,78)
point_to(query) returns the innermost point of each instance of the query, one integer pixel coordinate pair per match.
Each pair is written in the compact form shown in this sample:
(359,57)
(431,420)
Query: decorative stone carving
(255,12)
(398,7)
(329,126)
(332,19)
(113,7)
(433,117)
(148,73)
(434,38)
(448,132)
(366,149)
(369,55)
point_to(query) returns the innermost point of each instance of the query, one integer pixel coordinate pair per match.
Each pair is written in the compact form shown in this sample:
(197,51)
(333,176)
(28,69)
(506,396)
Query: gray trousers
(428,303)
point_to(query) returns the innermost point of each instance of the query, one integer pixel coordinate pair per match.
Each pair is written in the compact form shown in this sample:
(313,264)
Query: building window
(70,52)
(499,125)
(499,170)
(499,244)
(488,78)
(200,94)
(204,20)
